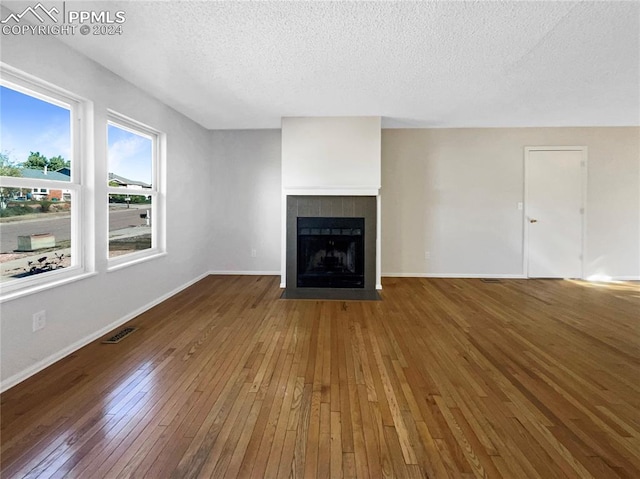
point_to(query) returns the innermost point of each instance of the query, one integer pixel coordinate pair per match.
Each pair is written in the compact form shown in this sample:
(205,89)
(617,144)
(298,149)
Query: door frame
(525,217)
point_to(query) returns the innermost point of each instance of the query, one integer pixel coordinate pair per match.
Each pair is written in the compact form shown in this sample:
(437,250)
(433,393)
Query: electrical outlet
(39,320)
(427,255)
(254,253)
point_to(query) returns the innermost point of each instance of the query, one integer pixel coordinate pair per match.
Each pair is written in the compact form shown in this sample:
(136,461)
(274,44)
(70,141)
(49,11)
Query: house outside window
(135,195)
(41,188)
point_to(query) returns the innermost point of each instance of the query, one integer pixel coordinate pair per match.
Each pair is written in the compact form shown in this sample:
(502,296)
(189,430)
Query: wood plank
(335,461)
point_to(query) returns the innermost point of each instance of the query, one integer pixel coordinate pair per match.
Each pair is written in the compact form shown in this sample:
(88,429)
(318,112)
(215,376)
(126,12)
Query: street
(60,227)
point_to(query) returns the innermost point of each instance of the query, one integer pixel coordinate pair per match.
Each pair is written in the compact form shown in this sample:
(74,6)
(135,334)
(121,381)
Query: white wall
(78,311)
(244,201)
(454,193)
(336,152)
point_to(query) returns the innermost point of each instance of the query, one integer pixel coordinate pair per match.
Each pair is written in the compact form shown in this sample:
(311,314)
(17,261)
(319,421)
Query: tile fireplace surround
(331,207)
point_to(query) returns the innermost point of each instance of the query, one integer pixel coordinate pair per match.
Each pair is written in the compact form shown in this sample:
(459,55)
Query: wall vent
(119,336)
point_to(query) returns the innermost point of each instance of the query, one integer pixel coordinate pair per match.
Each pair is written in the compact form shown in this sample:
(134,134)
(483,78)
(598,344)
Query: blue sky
(29,124)
(129,154)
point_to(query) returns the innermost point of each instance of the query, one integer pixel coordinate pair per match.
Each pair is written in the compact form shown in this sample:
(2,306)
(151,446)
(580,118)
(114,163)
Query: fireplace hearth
(330,252)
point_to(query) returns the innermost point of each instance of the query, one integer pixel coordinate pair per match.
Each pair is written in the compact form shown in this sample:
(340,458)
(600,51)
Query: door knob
(531,220)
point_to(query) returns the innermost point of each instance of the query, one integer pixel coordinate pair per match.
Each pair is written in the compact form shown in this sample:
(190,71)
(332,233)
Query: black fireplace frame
(330,252)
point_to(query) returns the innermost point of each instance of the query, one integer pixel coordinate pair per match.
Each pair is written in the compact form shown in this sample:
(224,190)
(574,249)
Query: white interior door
(554,212)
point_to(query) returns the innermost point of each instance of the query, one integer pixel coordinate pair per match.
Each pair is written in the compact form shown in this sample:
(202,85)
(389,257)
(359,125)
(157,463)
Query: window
(134,200)
(40,185)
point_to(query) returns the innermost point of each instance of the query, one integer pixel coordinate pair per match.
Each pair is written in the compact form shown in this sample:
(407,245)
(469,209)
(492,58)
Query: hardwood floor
(442,378)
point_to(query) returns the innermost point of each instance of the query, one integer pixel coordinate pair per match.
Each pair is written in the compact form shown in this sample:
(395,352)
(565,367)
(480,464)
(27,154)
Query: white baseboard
(452,275)
(48,361)
(245,273)
(497,276)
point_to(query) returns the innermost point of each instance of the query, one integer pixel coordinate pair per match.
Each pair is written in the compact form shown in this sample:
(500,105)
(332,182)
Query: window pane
(130,221)
(130,159)
(35,137)
(35,236)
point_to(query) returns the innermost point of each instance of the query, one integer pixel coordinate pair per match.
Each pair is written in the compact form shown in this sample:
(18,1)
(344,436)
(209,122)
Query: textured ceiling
(433,64)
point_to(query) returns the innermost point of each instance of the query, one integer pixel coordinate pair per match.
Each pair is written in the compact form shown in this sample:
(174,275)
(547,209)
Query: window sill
(131,261)
(37,288)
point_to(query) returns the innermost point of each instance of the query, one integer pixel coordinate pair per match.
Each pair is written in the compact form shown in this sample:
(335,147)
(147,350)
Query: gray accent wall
(244,202)
(333,207)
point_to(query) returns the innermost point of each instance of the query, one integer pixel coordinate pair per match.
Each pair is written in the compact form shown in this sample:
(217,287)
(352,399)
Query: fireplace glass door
(330,252)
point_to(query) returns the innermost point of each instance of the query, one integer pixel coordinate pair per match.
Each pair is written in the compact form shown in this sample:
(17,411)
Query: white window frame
(157,191)
(77,185)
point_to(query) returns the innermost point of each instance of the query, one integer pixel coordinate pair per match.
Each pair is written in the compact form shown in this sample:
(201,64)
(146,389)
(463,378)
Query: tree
(35,161)
(38,161)
(58,162)
(7,168)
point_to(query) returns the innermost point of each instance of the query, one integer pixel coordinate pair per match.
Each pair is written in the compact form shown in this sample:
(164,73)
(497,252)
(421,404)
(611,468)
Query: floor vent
(116,338)
(490,280)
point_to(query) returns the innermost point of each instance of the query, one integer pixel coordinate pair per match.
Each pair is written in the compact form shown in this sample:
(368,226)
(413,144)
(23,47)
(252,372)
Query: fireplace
(331,247)
(331,168)
(330,252)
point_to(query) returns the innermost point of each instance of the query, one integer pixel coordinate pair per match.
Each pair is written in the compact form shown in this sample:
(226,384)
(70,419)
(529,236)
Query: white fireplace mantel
(332,191)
